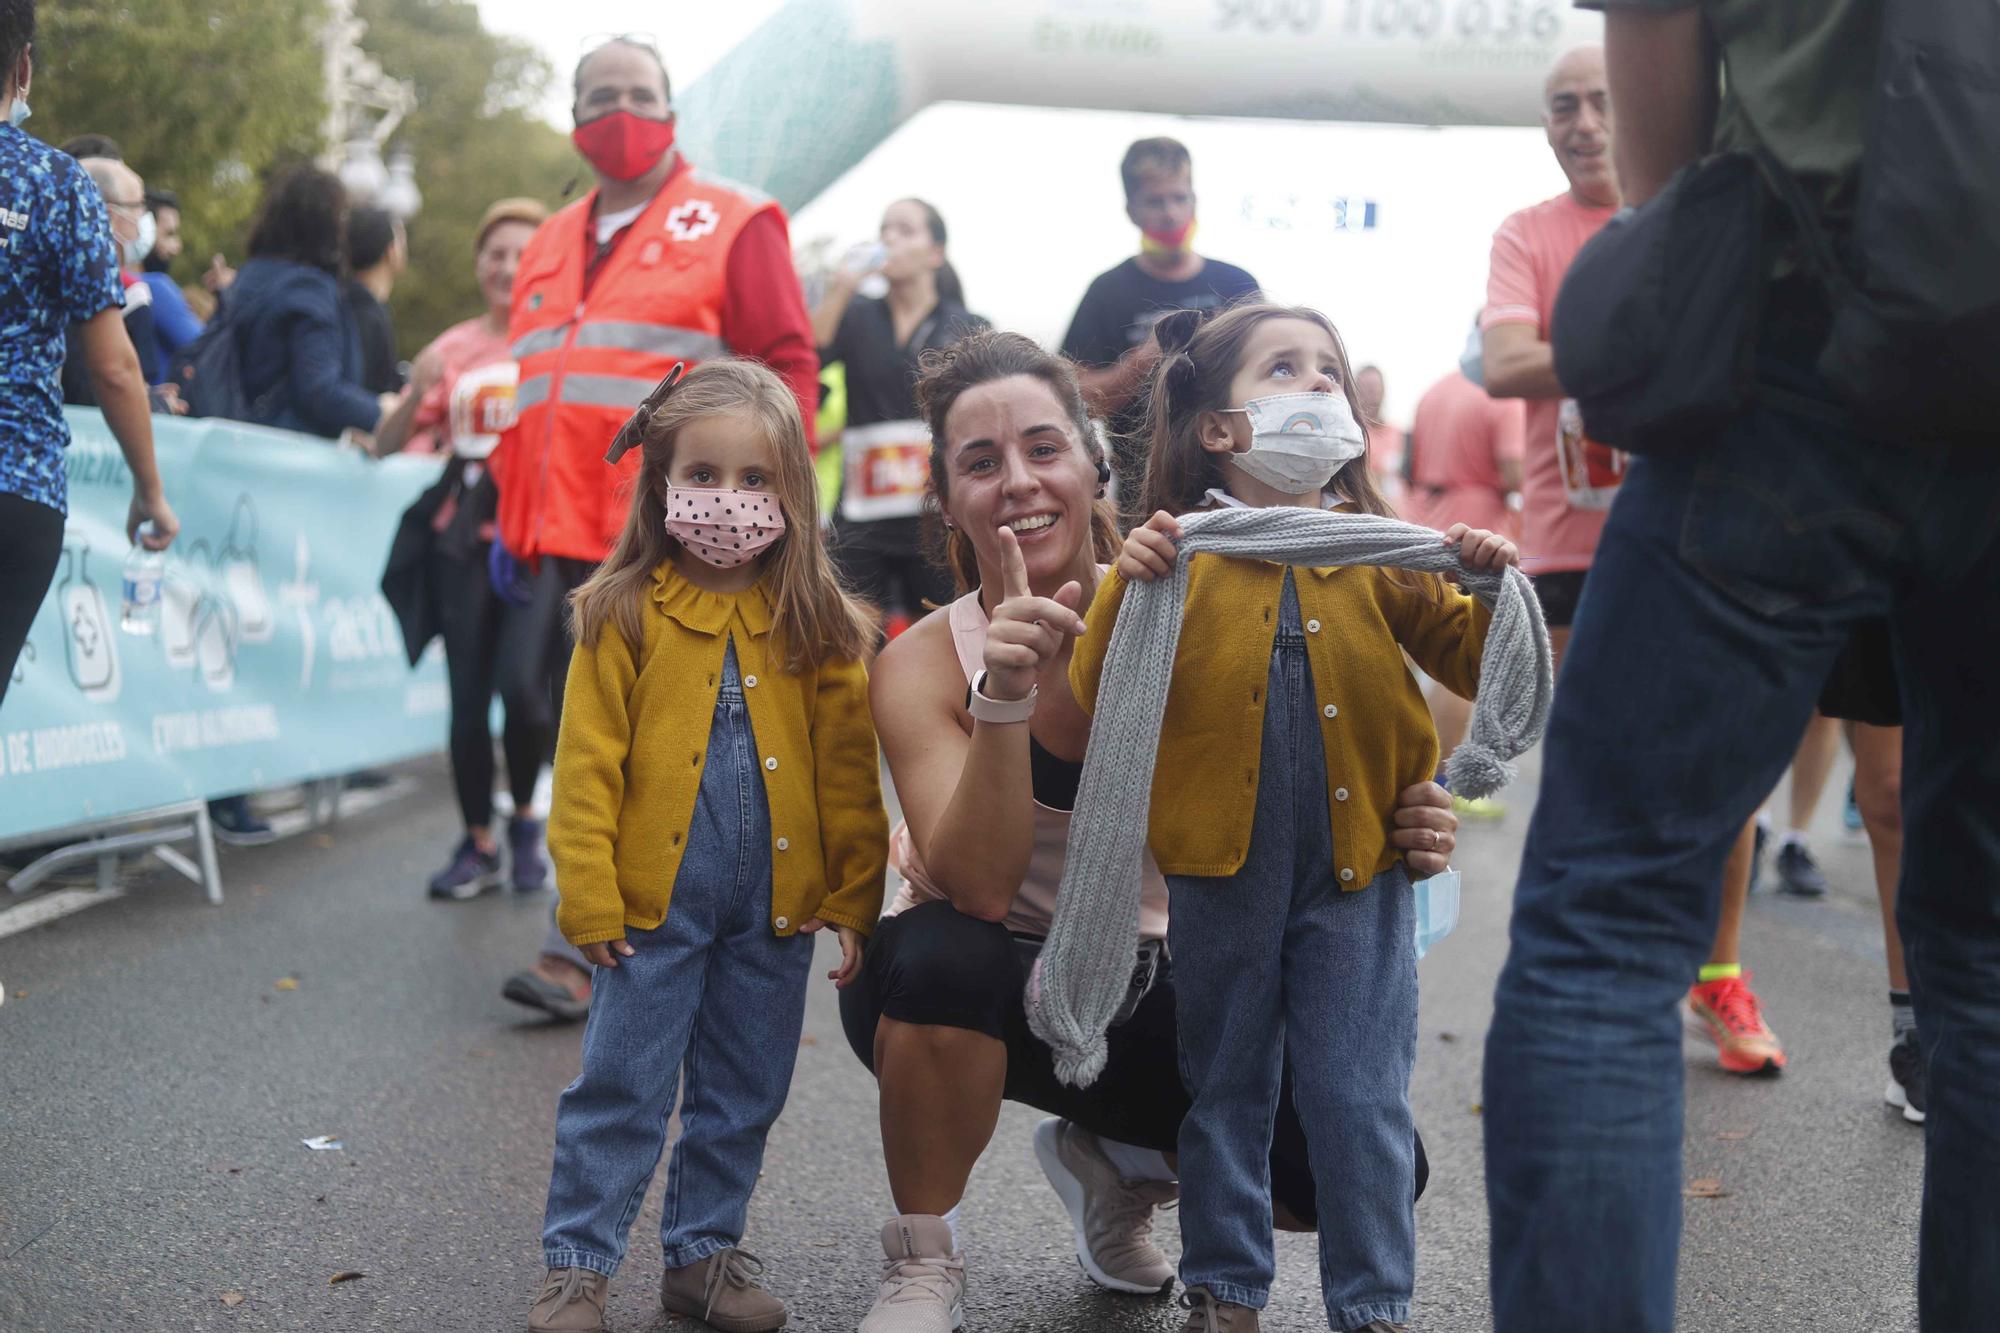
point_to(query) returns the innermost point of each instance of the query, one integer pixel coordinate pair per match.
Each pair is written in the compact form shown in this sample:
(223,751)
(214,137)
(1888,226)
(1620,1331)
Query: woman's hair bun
(1174,331)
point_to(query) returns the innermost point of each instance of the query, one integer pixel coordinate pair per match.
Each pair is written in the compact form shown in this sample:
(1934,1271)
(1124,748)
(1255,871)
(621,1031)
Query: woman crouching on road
(985,743)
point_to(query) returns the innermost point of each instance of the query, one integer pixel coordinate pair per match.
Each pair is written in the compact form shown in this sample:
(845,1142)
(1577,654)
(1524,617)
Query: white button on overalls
(1312,627)
(772,763)
(1347,877)
(784,844)
(782,922)
(1331,711)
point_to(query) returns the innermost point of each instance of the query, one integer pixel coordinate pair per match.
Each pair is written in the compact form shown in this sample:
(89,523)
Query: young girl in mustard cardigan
(1291,724)
(716,803)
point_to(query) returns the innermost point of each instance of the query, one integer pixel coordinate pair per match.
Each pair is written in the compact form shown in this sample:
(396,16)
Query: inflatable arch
(822,82)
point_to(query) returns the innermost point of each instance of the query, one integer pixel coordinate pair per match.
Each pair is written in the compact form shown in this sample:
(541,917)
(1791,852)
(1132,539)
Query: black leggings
(469,615)
(933,965)
(31,543)
(535,644)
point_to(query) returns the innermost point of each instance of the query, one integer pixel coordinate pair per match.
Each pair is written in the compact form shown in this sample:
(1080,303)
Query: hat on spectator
(529,211)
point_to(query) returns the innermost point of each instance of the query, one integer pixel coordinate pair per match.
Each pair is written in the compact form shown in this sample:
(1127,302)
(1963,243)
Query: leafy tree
(202,96)
(475,137)
(205,97)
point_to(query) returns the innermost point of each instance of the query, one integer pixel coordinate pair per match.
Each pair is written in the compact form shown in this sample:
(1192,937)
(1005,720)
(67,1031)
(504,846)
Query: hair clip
(632,433)
(1181,377)
(1174,330)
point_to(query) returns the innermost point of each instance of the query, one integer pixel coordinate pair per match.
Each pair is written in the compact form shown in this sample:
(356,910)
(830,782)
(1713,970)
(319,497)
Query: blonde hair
(816,617)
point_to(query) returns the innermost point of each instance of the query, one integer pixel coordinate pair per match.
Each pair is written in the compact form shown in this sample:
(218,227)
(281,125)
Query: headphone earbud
(1103,472)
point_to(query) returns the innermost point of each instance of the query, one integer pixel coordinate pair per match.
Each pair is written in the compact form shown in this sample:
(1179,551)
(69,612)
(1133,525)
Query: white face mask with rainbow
(1299,440)
(726,528)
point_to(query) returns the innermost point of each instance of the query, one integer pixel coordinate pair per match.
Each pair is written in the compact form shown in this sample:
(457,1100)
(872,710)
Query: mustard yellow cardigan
(1373,722)
(635,735)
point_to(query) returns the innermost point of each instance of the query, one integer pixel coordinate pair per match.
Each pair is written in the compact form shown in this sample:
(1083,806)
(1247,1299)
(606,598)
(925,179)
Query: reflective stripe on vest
(585,390)
(531,392)
(541,340)
(627,391)
(651,339)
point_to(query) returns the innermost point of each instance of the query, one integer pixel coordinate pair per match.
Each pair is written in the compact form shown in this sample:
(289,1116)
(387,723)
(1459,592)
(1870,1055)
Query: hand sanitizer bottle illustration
(87,634)
(240,579)
(179,593)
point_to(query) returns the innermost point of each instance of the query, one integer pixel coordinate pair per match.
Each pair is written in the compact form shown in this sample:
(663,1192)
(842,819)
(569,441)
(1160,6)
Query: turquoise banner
(275,658)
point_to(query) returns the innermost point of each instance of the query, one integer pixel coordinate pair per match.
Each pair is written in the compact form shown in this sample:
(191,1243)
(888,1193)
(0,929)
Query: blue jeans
(1726,582)
(712,1001)
(1275,960)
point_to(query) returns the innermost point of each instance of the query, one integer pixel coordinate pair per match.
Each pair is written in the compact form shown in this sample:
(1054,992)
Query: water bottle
(868,258)
(1437,909)
(144,570)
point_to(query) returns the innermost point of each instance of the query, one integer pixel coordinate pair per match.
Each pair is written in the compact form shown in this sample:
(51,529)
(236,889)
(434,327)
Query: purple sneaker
(470,873)
(531,867)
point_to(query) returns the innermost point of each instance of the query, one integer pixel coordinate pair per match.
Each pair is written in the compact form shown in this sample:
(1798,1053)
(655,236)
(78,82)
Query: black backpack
(1916,296)
(209,372)
(1655,330)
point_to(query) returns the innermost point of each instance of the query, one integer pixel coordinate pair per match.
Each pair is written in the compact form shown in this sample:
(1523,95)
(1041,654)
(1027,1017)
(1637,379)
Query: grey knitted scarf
(1085,967)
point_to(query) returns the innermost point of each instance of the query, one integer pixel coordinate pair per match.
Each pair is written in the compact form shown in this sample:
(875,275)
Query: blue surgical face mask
(17,112)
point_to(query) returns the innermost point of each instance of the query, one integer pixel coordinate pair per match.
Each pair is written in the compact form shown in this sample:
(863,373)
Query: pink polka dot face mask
(724,527)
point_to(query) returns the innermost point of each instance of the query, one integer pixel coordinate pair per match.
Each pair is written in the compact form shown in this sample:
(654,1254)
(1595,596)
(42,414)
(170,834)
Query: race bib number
(1591,471)
(888,469)
(482,406)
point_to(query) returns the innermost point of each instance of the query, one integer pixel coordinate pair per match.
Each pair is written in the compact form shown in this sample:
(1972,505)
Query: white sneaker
(923,1280)
(1111,1218)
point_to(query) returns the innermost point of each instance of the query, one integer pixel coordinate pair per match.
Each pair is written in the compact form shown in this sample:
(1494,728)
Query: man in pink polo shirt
(1568,481)
(1560,518)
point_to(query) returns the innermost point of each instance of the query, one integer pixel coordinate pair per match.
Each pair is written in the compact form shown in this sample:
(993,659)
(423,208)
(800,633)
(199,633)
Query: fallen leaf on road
(1447,1036)
(808,1041)
(1478,1108)
(1732,1135)
(347,1276)
(1706,1188)
(325,840)
(320,1199)
(322,1143)
(288,983)
(232,1299)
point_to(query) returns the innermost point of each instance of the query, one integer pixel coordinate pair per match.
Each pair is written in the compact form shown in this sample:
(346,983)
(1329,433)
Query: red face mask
(623,146)
(1168,242)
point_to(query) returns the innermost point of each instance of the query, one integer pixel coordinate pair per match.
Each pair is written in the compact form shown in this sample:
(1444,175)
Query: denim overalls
(1277,958)
(711,997)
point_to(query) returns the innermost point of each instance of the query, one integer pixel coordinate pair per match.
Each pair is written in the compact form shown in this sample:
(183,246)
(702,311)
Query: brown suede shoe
(722,1292)
(572,1301)
(1208,1315)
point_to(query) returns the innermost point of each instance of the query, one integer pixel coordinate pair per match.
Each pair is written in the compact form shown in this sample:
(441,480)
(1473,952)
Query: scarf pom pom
(1474,770)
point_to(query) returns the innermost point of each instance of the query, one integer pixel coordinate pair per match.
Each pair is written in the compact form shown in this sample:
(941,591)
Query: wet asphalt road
(156,1081)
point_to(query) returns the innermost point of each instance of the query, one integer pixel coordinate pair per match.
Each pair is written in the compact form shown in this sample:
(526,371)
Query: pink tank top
(1034,905)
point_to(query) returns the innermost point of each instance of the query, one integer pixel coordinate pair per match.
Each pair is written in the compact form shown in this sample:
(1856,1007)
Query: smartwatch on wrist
(984,709)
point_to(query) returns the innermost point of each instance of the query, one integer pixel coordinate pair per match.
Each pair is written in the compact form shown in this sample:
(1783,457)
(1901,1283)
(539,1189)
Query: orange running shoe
(1744,1043)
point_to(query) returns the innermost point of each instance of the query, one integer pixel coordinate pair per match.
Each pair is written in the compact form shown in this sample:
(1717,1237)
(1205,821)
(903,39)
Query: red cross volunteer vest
(586,360)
